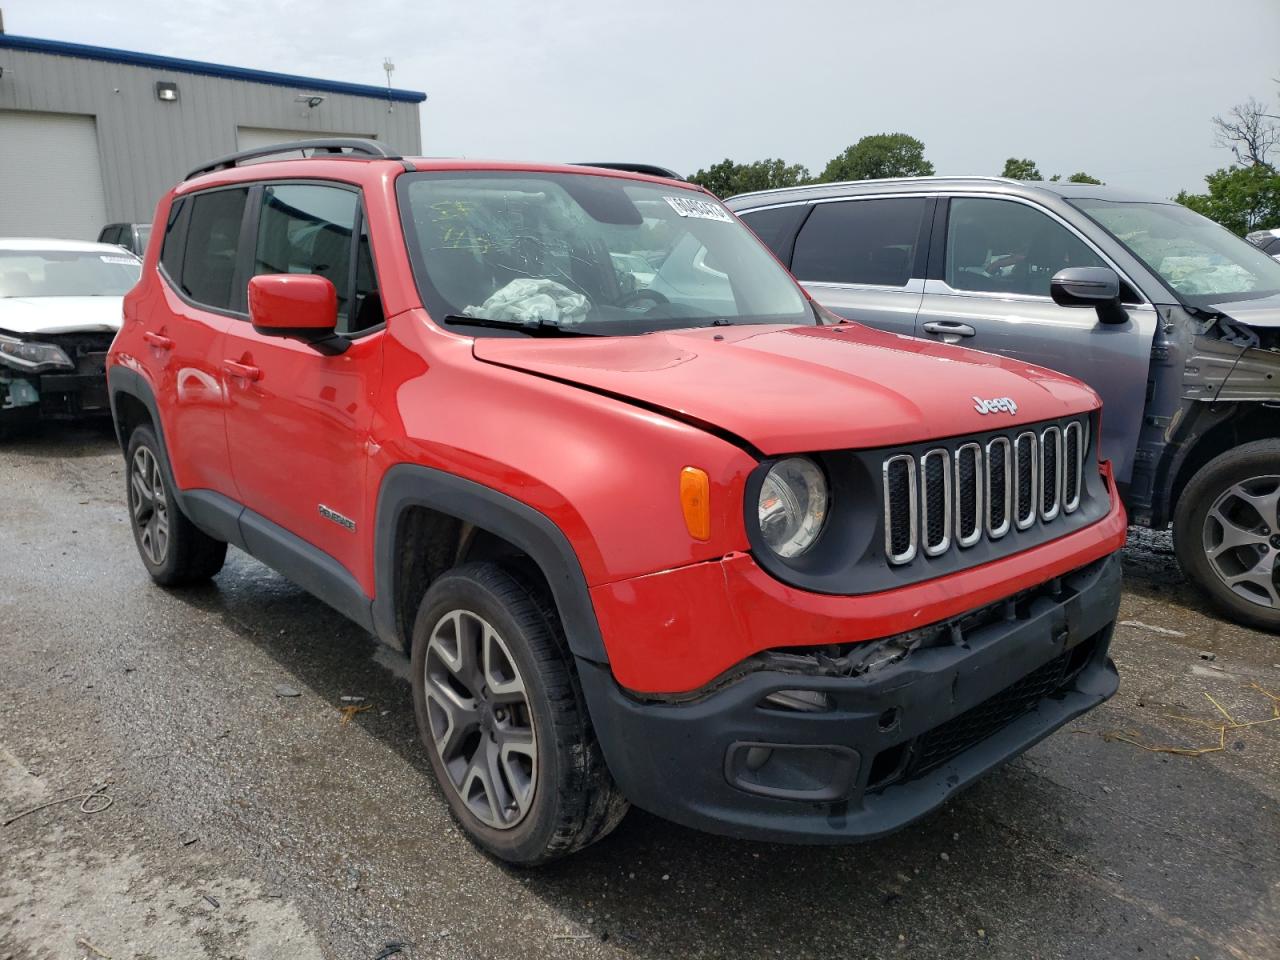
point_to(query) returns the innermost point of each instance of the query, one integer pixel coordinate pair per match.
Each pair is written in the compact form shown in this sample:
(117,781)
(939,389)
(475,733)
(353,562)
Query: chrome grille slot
(1050,473)
(999,487)
(1073,453)
(969,484)
(935,501)
(1026,479)
(901,530)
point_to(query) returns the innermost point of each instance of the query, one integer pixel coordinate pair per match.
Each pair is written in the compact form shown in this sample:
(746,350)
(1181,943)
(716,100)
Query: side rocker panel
(409,485)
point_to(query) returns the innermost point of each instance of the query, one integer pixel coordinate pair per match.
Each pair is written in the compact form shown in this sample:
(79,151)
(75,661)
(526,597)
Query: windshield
(144,235)
(596,254)
(1203,262)
(67,273)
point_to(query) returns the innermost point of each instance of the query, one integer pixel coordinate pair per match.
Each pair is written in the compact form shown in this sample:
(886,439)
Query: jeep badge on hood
(995,405)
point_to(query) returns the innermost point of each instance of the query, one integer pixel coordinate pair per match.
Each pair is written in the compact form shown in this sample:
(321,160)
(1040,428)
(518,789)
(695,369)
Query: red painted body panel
(299,433)
(678,630)
(606,472)
(811,388)
(576,429)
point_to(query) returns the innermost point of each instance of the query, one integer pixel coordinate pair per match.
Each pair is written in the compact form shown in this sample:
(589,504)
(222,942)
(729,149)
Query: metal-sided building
(92,135)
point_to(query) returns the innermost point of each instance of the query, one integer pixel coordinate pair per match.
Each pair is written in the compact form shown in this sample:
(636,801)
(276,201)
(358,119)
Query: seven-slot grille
(954,495)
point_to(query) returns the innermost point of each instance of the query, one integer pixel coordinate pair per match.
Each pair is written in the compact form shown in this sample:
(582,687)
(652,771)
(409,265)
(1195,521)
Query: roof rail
(850,183)
(648,169)
(335,145)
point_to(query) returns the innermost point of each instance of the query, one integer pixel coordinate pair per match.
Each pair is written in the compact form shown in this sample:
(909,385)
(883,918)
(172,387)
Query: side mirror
(297,305)
(1097,287)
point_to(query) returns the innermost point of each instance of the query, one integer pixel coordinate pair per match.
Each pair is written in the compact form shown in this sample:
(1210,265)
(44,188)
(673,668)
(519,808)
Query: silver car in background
(1172,319)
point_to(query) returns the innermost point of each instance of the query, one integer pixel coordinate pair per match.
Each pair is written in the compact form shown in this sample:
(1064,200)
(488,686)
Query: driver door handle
(949,330)
(241,370)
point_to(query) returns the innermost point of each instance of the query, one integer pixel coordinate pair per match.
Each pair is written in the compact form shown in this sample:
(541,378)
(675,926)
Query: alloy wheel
(481,724)
(1242,539)
(148,505)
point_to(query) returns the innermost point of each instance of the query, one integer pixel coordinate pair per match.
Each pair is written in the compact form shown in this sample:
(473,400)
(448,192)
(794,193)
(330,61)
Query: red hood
(795,389)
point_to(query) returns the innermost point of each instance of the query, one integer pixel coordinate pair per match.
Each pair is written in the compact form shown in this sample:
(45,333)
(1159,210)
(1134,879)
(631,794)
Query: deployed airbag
(534,301)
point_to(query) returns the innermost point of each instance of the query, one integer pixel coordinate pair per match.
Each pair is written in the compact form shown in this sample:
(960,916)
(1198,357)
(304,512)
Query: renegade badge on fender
(651,526)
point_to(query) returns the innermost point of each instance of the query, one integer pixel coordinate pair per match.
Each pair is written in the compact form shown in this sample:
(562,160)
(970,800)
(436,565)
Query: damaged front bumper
(78,391)
(849,744)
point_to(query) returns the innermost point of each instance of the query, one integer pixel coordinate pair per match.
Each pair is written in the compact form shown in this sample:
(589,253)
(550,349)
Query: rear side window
(306,228)
(212,245)
(775,226)
(175,238)
(860,241)
(1001,246)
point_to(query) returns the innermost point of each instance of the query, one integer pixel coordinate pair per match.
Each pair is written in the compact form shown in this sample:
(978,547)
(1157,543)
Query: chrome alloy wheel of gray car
(1242,539)
(148,504)
(481,726)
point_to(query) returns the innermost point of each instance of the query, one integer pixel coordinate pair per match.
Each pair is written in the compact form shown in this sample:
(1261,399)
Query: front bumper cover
(896,741)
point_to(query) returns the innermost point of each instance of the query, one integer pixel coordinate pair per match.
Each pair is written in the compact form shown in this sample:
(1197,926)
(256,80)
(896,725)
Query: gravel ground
(248,820)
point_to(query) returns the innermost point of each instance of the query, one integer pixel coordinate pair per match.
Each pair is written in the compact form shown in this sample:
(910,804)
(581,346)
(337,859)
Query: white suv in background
(60,303)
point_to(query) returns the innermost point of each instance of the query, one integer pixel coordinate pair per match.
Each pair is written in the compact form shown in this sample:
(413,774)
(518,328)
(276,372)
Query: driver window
(305,228)
(1001,246)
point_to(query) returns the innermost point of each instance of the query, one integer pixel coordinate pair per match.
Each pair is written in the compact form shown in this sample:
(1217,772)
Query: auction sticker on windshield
(702,209)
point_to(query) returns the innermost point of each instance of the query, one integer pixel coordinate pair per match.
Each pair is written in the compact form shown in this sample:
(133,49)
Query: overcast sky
(1123,89)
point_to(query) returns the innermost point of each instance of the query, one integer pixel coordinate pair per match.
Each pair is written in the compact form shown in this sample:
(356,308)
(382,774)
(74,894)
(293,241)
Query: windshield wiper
(536,328)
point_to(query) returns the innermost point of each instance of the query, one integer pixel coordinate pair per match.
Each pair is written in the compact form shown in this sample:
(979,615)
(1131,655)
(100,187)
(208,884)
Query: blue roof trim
(112,55)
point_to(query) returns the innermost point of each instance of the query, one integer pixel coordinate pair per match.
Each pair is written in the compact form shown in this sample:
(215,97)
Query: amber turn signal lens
(695,499)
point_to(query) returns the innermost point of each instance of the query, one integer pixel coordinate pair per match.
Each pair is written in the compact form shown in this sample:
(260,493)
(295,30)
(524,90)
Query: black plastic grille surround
(884,529)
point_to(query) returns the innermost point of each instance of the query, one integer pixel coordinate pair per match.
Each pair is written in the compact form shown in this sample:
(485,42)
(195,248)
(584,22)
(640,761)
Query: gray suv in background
(1172,319)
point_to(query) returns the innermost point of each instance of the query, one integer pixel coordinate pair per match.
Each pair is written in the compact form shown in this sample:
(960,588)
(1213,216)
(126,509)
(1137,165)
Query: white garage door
(250,138)
(50,176)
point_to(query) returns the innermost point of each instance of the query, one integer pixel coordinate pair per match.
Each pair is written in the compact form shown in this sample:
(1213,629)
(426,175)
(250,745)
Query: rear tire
(501,713)
(173,550)
(1226,533)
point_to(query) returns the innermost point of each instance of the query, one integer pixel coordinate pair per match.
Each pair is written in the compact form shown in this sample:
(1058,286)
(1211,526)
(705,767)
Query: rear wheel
(173,550)
(1226,532)
(501,713)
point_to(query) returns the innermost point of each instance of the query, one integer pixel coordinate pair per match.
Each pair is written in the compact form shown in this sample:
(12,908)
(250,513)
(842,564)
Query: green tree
(1239,198)
(877,156)
(1082,178)
(727,178)
(1023,169)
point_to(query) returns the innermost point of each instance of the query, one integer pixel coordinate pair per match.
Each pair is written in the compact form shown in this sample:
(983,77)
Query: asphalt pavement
(251,816)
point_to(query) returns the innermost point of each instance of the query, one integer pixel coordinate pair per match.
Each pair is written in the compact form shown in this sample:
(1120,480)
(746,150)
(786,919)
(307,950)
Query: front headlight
(793,506)
(33,357)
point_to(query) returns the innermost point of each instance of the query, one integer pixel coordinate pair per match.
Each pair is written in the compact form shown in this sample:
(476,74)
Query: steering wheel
(639,295)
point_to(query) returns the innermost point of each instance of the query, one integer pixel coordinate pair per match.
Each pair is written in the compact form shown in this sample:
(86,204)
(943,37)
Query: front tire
(501,713)
(173,550)
(1226,533)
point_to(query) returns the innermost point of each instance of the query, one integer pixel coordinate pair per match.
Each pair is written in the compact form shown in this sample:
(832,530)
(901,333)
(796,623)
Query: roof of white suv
(49,243)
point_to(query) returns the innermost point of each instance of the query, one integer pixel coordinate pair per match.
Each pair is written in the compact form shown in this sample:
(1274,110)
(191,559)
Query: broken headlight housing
(793,506)
(31,357)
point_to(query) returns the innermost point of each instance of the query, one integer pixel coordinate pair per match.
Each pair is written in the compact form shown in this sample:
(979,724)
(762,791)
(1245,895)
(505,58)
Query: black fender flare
(123,381)
(408,485)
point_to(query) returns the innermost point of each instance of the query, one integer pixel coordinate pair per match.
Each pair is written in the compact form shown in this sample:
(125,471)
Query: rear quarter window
(860,241)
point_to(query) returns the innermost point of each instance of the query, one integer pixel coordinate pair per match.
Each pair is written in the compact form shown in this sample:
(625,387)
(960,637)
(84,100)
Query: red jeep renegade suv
(653,527)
